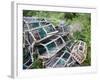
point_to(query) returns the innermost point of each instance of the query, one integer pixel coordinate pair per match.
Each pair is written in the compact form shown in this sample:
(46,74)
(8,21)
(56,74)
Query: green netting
(61,62)
(34,25)
(49,29)
(51,46)
(41,50)
(42,33)
(66,55)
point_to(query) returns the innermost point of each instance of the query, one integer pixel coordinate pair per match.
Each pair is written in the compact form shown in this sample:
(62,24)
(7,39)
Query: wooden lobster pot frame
(50,47)
(62,59)
(39,29)
(79,51)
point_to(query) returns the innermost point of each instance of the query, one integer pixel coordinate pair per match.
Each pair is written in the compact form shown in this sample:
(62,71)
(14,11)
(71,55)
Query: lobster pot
(39,33)
(50,47)
(79,51)
(40,29)
(62,59)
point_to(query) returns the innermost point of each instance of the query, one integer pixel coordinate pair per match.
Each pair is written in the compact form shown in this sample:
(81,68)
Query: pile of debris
(41,37)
